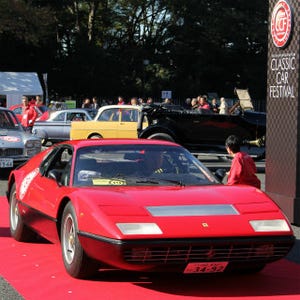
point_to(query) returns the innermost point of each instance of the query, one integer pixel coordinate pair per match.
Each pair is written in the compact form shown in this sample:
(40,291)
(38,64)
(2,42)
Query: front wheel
(76,262)
(18,230)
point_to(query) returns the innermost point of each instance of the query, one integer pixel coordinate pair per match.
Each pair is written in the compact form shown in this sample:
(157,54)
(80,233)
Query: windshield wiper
(147,181)
(156,181)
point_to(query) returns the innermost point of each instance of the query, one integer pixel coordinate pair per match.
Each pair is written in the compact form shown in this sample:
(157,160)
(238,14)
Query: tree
(138,47)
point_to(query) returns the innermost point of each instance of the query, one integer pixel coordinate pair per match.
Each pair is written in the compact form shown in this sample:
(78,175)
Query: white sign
(166,94)
(283,66)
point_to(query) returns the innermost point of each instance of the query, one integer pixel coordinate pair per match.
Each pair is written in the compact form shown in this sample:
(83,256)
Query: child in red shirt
(243,169)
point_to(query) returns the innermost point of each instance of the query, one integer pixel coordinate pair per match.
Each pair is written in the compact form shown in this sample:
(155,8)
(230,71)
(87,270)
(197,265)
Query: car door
(38,191)
(128,123)
(72,116)
(55,127)
(107,124)
(44,193)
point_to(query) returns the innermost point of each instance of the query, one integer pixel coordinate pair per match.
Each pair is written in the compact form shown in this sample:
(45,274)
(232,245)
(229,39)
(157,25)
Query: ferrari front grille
(233,252)
(5,152)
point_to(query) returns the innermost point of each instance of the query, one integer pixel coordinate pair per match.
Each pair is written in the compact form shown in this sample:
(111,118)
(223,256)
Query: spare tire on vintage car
(161,136)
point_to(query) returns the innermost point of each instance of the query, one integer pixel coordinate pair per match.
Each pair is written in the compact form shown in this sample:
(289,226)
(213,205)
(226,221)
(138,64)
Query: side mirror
(220,174)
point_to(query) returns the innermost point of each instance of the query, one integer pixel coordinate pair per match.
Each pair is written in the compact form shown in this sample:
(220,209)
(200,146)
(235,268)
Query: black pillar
(283,115)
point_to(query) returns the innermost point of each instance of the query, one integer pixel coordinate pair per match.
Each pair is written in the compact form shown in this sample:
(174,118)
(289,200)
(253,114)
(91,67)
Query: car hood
(13,138)
(174,195)
(178,211)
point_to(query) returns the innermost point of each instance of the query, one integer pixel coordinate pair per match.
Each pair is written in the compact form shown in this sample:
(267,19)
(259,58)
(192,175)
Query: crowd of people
(201,103)
(198,103)
(30,113)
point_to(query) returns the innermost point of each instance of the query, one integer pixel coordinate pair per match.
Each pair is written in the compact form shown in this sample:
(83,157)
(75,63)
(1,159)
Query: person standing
(202,103)
(134,101)
(223,109)
(86,103)
(121,100)
(29,115)
(95,104)
(214,106)
(243,169)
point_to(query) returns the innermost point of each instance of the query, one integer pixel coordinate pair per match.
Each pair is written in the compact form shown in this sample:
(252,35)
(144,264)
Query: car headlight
(37,143)
(139,228)
(33,144)
(269,225)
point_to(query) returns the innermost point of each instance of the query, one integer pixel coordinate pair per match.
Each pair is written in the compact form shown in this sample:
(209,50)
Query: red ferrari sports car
(143,205)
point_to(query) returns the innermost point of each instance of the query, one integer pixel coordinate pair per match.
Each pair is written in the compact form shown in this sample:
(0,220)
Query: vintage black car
(202,131)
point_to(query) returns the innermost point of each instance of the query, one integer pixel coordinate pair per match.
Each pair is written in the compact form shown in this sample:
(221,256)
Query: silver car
(57,127)
(16,146)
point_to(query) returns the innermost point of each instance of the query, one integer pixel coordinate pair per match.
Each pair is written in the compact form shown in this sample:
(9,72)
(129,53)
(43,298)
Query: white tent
(13,85)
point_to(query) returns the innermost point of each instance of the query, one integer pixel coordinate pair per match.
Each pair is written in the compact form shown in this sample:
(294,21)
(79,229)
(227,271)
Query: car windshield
(8,120)
(136,165)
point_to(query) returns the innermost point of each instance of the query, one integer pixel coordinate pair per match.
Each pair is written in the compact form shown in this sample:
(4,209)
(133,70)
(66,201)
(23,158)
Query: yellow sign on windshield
(100,181)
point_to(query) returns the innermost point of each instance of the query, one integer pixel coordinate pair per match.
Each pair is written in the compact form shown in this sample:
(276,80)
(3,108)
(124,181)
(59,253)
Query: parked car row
(198,131)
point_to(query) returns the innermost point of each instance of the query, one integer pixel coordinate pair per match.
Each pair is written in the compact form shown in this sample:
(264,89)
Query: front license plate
(6,163)
(212,267)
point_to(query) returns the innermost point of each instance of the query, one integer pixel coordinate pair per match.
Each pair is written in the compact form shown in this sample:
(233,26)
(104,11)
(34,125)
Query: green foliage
(138,47)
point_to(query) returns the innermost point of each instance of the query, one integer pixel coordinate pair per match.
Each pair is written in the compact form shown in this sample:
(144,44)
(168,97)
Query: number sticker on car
(211,267)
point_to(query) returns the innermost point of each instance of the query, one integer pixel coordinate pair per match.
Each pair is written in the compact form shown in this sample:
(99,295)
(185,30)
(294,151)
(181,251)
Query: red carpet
(36,271)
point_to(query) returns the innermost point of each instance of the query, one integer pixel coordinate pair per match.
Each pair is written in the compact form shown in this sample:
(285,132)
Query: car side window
(59,162)
(129,115)
(109,115)
(59,117)
(75,117)
(6,121)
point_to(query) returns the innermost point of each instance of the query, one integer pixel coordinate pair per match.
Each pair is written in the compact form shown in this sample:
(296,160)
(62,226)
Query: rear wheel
(76,262)
(18,230)
(95,136)
(161,136)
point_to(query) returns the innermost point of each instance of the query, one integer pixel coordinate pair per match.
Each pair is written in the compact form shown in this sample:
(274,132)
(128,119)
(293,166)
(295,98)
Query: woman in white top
(223,107)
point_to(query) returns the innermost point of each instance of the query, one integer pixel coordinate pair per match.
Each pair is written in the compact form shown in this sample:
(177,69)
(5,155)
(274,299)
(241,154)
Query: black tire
(95,136)
(76,262)
(18,230)
(161,136)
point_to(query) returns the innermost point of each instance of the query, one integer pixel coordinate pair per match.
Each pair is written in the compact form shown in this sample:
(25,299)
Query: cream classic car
(111,121)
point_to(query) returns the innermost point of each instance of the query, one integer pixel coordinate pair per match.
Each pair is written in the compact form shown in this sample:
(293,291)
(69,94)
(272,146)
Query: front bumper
(175,254)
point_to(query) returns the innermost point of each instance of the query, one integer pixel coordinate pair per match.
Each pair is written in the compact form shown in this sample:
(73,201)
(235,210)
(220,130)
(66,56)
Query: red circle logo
(281,23)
